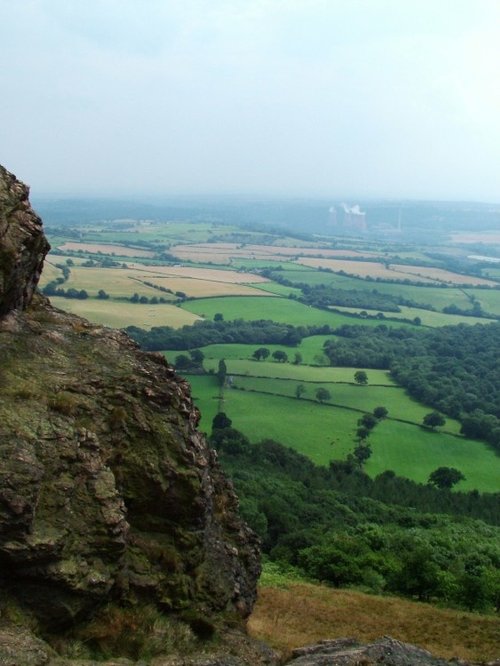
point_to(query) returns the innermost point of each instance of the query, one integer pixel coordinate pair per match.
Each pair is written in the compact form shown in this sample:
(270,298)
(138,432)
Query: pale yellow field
(489,237)
(124,282)
(106,248)
(309,251)
(198,288)
(360,268)
(118,315)
(427,317)
(50,272)
(211,274)
(442,275)
(115,281)
(224,252)
(424,274)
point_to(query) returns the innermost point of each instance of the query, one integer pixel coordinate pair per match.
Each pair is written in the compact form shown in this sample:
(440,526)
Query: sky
(331,98)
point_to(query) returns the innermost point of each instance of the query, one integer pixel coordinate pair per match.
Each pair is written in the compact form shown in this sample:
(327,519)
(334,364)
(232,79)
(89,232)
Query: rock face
(22,244)
(107,489)
(349,652)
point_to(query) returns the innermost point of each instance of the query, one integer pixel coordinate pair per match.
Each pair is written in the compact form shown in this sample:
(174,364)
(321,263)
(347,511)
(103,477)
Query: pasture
(281,310)
(311,350)
(415,452)
(105,248)
(427,317)
(360,398)
(307,373)
(205,274)
(389,271)
(119,314)
(197,288)
(326,432)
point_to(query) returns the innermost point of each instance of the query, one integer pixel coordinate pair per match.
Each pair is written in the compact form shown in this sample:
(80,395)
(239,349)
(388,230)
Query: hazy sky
(341,98)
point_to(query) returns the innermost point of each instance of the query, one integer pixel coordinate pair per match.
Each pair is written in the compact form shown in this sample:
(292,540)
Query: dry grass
(360,268)
(224,252)
(304,613)
(488,237)
(121,314)
(208,274)
(423,274)
(196,288)
(106,248)
(441,275)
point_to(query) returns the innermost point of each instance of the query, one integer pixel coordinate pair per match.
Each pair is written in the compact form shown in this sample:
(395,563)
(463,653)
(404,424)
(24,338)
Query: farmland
(281,310)
(119,314)
(209,270)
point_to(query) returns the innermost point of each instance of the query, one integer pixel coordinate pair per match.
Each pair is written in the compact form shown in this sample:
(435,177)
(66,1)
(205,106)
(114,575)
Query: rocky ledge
(109,495)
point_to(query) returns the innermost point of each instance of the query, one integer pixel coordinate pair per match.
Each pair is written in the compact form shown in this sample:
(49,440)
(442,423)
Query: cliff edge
(108,493)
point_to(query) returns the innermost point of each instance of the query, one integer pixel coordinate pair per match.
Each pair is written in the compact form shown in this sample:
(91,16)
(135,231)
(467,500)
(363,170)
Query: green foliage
(360,377)
(204,332)
(300,389)
(323,395)
(221,420)
(330,524)
(380,412)
(446,477)
(280,356)
(221,372)
(261,353)
(433,420)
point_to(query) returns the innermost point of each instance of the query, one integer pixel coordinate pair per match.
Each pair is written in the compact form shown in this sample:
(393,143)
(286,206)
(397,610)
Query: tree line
(204,332)
(455,369)
(386,534)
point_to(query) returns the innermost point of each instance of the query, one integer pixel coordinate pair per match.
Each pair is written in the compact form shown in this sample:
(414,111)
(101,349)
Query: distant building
(348,218)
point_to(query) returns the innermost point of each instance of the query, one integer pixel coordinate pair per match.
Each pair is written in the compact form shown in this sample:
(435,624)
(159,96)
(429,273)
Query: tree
(102,294)
(182,362)
(197,356)
(261,353)
(280,356)
(368,421)
(360,377)
(220,421)
(362,432)
(218,316)
(433,420)
(445,477)
(134,298)
(362,452)
(298,359)
(222,372)
(300,389)
(380,412)
(322,395)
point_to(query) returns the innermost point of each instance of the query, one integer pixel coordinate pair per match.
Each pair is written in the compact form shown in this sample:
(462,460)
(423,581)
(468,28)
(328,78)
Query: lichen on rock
(108,492)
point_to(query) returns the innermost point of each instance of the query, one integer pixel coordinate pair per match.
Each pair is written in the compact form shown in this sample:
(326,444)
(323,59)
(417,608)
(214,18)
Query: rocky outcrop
(108,493)
(22,245)
(350,652)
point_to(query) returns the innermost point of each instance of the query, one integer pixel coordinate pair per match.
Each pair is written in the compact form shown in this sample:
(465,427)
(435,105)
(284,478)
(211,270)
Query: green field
(311,350)
(279,289)
(414,452)
(324,432)
(119,314)
(489,299)
(318,431)
(438,297)
(281,310)
(361,398)
(276,370)
(427,317)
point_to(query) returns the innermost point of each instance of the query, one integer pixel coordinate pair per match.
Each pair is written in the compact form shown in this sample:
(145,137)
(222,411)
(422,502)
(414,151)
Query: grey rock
(349,652)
